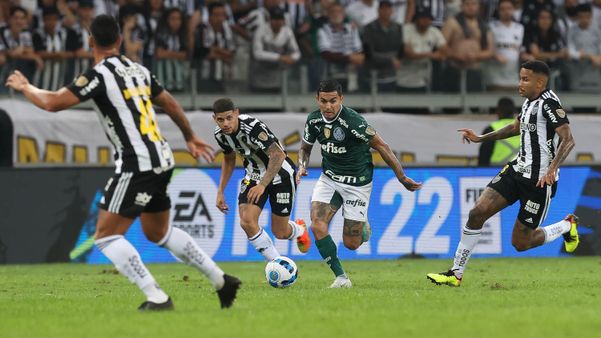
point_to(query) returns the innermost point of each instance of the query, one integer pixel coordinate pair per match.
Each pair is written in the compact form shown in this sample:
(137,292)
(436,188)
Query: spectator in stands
(362,12)
(596,6)
(400,11)
(470,42)
(248,25)
(584,40)
(508,37)
(567,18)
(423,43)
(545,43)
(55,44)
(83,57)
(171,49)
(383,43)
(16,46)
(502,151)
(241,8)
(340,46)
(133,34)
(149,22)
(213,50)
(274,49)
(530,11)
(436,7)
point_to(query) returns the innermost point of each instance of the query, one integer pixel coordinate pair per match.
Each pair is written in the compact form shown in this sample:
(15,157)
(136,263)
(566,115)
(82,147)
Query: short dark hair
(505,107)
(584,8)
(214,5)
(105,30)
(222,105)
(16,9)
(50,10)
(385,3)
(327,86)
(537,67)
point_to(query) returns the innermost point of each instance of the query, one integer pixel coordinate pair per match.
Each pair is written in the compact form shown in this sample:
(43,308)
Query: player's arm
(44,99)
(303,160)
(558,119)
(393,162)
(509,130)
(196,145)
(227,168)
(276,158)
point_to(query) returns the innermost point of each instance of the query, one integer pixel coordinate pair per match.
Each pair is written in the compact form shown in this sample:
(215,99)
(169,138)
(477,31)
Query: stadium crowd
(399,45)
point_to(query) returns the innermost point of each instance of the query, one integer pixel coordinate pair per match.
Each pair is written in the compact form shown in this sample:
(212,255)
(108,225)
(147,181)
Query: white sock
(469,239)
(128,262)
(297,230)
(264,245)
(183,246)
(553,231)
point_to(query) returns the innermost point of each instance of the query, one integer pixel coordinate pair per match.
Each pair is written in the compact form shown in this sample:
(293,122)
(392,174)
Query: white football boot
(341,282)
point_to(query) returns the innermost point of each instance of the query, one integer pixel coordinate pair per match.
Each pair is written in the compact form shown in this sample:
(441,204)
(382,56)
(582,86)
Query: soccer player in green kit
(347,169)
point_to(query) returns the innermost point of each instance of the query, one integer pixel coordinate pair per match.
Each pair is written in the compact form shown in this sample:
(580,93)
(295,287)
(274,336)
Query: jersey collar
(335,118)
(539,95)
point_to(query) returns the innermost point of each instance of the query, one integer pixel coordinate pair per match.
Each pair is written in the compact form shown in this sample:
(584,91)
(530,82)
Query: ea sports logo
(193,193)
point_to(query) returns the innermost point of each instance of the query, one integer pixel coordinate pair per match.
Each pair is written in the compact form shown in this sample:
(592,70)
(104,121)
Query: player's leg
(249,221)
(156,228)
(355,203)
(281,199)
(534,206)
(118,211)
(489,203)
(325,202)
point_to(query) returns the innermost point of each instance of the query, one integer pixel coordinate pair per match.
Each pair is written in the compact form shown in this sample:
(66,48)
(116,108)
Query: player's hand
(17,81)
(468,135)
(299,173)
(548,179)
(221,205)
(255,193)
(410,184)
(198,147)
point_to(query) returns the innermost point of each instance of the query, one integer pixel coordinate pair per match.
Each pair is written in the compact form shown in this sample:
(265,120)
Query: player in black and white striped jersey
(124,93)
(546,140)
(270,174)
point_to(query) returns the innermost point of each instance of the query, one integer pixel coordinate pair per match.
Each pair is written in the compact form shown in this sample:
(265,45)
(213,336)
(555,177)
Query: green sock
(328,251)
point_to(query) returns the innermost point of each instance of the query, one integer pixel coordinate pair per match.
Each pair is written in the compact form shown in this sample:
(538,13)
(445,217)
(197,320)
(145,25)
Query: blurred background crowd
(260,45)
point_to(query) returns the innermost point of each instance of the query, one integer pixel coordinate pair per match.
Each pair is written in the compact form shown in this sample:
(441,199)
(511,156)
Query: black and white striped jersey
(123,91)
(252,140)
(538,141)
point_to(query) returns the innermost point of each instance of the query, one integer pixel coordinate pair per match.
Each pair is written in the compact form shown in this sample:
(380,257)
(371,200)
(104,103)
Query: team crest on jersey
(327,132)
(339,134)
(561,113)
(370,131)
(263,136)
(81,81)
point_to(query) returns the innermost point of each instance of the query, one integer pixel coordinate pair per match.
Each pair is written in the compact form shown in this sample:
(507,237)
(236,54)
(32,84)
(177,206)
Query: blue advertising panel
(427,222)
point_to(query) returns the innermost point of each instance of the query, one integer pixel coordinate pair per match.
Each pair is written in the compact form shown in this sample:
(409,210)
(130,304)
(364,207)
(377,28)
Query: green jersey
(344,145)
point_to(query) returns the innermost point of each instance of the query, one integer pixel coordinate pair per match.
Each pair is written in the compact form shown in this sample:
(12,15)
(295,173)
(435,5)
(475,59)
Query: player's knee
(155,235)
(351,242)
(520,245)
(477,217)
(319,228)
(280,233)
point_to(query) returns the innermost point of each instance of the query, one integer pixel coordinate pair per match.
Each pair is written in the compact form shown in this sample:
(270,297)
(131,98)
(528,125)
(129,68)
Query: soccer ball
(281,272)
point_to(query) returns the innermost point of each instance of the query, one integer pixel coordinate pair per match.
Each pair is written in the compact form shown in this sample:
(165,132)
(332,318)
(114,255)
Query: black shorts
(534,201)
(281,195)
(130,194)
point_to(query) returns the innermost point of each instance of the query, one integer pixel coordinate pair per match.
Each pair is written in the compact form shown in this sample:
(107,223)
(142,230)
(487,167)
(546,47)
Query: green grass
(499,298)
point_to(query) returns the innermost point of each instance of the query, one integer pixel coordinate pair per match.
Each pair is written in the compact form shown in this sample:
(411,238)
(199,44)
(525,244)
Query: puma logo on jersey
(330,148)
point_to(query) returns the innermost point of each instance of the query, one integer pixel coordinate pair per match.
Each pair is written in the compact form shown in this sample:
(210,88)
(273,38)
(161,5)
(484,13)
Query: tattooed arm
(565,146)
(393,162)
(276,158)
(303,160)
(509,130)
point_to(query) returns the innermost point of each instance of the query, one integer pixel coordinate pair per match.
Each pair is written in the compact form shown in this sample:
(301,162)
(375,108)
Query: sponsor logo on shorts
(282,197)
(529,220)
(142,199)
(356,203)
(532,207)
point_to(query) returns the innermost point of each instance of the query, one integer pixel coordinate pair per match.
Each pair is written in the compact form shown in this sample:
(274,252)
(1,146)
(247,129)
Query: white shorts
(354,200)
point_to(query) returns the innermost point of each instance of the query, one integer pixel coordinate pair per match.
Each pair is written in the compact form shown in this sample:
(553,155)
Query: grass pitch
(499,298)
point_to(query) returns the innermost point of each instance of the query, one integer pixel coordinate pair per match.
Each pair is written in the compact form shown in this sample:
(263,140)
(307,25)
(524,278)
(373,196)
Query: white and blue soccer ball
(281,272)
